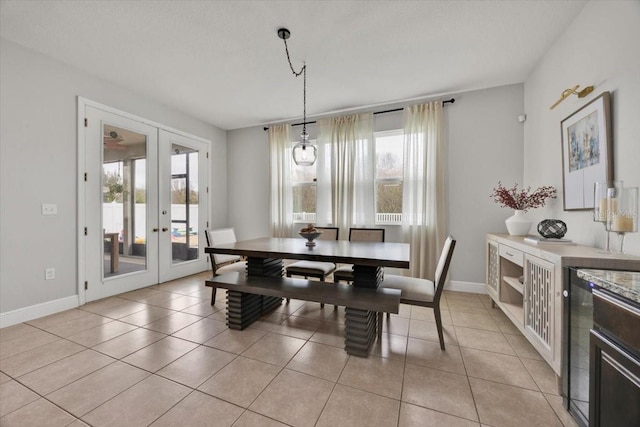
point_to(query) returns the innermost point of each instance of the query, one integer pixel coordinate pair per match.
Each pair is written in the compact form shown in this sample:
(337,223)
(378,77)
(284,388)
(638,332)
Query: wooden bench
(249,297)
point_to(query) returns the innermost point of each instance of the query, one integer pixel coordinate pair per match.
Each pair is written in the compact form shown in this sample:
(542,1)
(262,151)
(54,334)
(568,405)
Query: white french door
(145,204)
(183,207)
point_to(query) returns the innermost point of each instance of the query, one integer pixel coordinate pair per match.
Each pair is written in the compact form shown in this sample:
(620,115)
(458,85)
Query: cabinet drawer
(513,255)
(617,317)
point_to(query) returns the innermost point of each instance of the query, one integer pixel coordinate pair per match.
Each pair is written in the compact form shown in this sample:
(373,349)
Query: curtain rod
(448,101)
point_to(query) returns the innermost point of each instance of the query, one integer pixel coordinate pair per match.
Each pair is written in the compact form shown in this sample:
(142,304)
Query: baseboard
(471,287)
(39,310)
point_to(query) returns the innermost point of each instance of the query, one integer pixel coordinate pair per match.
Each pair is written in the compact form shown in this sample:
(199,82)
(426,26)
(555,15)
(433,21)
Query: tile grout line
(464,365)
(335,384)
(404,367)
(281,368)
(65,410)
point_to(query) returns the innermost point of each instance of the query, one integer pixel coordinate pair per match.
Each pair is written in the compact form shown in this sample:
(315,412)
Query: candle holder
(623,214)
(601,203)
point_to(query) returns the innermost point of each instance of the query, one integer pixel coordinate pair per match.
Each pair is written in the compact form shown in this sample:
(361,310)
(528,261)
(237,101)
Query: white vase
(518,224)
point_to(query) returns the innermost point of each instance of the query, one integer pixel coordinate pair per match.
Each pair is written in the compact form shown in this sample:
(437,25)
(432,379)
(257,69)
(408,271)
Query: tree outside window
(389,172)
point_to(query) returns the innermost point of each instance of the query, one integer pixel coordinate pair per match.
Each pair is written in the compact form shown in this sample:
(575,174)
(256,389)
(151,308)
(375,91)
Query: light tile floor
(163,356)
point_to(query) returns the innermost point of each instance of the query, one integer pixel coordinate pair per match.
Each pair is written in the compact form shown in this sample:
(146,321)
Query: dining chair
(345,273)
(423,292)
(315,269)
(221,263)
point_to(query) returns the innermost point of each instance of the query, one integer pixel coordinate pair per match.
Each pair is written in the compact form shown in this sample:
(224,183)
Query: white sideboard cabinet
(525,280)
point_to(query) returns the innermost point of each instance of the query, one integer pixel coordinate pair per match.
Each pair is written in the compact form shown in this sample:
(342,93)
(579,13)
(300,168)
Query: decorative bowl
(310,237)
(552,228)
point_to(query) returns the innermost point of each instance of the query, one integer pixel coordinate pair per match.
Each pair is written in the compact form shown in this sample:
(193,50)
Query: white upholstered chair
(221,263)
(422,292)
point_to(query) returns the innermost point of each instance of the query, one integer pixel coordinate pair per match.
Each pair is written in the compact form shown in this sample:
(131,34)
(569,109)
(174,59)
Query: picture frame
(587,152)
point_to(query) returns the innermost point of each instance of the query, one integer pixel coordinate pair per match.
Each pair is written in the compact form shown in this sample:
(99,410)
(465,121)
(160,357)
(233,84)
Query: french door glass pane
(184,203)
(124,195)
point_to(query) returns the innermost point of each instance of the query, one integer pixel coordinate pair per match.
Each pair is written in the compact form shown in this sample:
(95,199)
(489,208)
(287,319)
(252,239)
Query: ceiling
(222,62)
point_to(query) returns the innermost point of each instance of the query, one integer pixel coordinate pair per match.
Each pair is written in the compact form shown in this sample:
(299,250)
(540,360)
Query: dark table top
(339,251)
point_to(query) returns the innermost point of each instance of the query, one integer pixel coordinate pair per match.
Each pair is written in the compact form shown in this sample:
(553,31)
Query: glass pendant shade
(304,154)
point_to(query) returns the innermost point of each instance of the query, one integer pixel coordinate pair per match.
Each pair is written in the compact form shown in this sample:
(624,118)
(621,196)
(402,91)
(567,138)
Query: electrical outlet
(49,209)
(49,273)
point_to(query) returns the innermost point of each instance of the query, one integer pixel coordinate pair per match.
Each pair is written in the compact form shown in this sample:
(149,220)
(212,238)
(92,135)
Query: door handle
(165,229)
(155,229)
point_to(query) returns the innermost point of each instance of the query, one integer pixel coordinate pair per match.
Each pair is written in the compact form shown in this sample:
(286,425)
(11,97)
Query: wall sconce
(573,91)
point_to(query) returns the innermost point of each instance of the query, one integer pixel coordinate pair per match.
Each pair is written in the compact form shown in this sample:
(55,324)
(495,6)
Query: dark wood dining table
(265,259)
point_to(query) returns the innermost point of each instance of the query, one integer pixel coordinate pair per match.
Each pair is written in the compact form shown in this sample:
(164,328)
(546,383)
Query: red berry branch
(522,199)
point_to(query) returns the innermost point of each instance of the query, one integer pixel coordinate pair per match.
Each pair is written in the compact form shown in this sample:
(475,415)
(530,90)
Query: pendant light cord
(286,48)
(302,71)
(304,100)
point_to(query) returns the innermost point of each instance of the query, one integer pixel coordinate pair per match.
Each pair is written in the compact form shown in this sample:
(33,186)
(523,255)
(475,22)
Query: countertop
(623,283)
(575,256)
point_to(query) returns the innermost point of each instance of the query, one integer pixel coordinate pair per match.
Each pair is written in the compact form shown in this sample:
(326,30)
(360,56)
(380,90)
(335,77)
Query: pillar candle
(601,215)
(622,223)
(611,208)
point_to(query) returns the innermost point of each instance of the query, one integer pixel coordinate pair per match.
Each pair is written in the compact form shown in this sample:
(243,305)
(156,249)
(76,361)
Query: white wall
(38,165)
(485,146)
(248,182)
(484,143)
(600,48)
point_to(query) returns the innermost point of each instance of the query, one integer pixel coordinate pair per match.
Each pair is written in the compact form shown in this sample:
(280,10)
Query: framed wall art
(587,154)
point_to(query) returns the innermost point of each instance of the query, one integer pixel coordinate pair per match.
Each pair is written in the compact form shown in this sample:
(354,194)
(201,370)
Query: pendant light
(304,153)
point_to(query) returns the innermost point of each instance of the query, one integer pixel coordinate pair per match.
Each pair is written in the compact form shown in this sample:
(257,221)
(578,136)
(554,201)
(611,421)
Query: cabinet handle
(164,229)
(565,293)
(155,229)
(508,253)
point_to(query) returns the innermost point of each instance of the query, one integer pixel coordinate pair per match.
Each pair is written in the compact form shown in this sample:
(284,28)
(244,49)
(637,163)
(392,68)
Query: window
(184,203)
(389,171)
(389,157)
(303,180)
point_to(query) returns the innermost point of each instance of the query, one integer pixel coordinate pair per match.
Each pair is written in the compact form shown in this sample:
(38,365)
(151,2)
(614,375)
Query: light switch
(49,209)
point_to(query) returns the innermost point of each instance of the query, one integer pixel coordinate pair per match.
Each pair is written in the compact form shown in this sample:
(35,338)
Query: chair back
(328,233)
(443,266)
(220,237)
(366,234)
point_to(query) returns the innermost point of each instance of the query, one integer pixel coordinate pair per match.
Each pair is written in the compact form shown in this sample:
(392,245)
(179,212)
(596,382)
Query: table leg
(244,309)
(115,254)
(361,325)
(114,246)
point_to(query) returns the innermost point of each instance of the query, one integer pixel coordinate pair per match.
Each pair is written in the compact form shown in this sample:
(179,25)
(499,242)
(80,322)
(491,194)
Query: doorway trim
(81,157)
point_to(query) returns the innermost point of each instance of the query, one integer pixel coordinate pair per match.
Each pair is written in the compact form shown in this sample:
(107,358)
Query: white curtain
(346,172)
(281,192)
(423,197)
